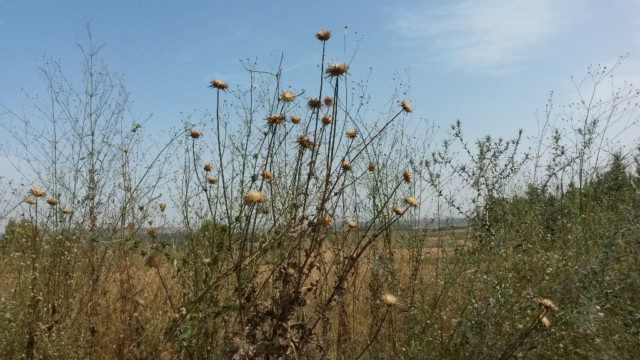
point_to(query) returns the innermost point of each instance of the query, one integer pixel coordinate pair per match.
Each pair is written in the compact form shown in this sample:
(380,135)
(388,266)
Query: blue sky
(489,63)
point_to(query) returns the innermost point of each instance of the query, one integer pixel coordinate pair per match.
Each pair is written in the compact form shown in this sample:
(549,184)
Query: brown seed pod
(351,134)
(195,134)
(406,107)
(411,201)
(327,119)
(218,84)
(276,119)
(287,96)
(372,167)
(323,35)
(314,103)
(295,119)
(254,197)
(397,210)
(328,101)
(408,177)
(53,201)
(212,180)
(208,167)
(337,69)
(38,192)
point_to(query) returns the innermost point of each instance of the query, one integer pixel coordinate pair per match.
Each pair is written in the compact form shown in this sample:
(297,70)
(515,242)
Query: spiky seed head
(276,119)
(411,201)
(406,106)
(195,134)
(314,103)
(153,260)
(327,119)
(548,304)
(389,299)
(323,35)
(295,119)
(67,211)
(352,224)
(305,142)
(337,69)
(397,210)
(218,84)
(38,192)
(162,207)
(351,134)
(212,180)
(372,167)
(53,201)
(328,101)
(287,96)
(289,271)
(545,322)
(407,176)
(208,167)
(30,201)
(327,220)
(254,197)
(346,165)
(267,175)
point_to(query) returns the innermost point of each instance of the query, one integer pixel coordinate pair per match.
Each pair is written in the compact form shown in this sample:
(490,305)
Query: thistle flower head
(352,224)
(407,176)
(53,201)
(411,201)
(29,200)
(351,134)
(328,101)
(305,142)
(267,175)
(67,211)
(153,260)
(323,35)
(38,192)
(208,167)
(372,167)
(406,106)
(327,119)
(398,210)
(337,69)
(295,119)
(314,103)
(195,134)
(548,304)
(162,207)
(218,84)
(545,322)
(254,197)
(327,220)
(212,180)
(346,165)
(287,96)
(276,119)
(389,299)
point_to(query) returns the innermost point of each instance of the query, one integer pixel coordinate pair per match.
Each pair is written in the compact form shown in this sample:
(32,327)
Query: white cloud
(487,34)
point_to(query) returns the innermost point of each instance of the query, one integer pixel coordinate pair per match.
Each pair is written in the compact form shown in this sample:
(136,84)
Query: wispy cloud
(487,34)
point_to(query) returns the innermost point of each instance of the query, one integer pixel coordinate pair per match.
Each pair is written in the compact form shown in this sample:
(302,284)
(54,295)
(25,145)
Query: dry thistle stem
(254,197)
(389,299)
(323,35)
(314,103)
(287,96)
(295,119)
(406,106)
(218,84)
(195,134)
(351,134)
(38,192)
(411,201)
(337,69)
(53,201)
